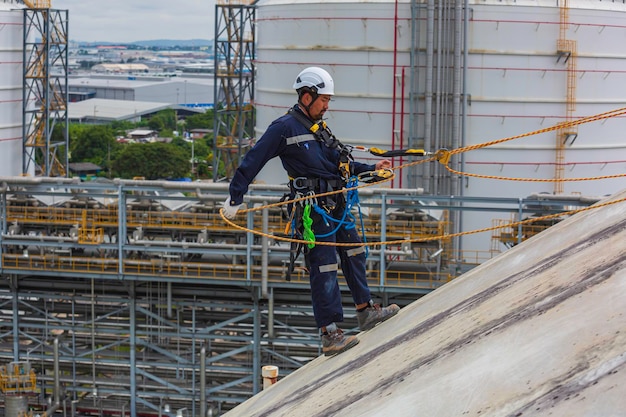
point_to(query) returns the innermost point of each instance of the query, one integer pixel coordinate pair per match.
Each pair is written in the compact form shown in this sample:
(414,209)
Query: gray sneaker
(335,342)
(375,314)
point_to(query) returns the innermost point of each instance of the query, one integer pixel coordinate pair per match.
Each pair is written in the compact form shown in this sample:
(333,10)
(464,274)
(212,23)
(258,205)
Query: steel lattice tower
(45,93)
(234,85)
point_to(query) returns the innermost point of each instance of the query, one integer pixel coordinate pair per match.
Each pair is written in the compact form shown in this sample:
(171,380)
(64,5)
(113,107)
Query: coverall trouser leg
(323,267)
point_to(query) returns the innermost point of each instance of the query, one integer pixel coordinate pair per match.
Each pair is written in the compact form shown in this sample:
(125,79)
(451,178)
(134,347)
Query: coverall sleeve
(358,167)
(270,145)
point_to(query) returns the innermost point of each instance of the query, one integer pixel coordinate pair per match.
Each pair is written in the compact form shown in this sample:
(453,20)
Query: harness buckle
(301,183)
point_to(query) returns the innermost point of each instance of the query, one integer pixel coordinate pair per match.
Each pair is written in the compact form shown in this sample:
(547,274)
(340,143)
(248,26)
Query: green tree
(151,161)
(200,121)
(156,123)
(201,151)
(92,143)
(120,127)
(165,119)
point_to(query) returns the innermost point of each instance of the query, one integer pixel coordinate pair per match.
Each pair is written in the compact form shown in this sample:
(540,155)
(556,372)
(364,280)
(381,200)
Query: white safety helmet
(316,79)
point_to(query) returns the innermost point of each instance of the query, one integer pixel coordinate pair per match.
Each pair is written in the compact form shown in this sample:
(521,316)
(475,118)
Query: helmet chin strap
(314,96)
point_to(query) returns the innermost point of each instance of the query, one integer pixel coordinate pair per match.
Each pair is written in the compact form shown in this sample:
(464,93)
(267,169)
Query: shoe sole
(343,349)
(378,322)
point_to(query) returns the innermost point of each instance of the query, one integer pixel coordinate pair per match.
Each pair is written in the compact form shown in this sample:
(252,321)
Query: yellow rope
(443,156)
(423,239)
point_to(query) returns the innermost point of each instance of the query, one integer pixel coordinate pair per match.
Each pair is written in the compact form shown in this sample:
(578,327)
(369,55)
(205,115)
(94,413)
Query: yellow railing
(16,379)
(170,265)
(397,229)
(511,236)
(37,4)
(90,227)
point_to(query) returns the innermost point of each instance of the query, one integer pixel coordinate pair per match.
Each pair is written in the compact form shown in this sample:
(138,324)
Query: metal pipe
(393,78)
(56,390)
(93,338)
(57,383)
(39,180)
(455,181)
(169,300)
(428,93)
(256,351)
(132,309)
(186,245)
(564,197)
(383,237)
(463,126)
(456,85)
(264,253)
(203,412)
(270,315)
(438,91)
(402,101)
(41,238)
(121,230)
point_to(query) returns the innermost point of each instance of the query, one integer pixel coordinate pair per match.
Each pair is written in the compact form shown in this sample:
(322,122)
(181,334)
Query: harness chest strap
(323,134)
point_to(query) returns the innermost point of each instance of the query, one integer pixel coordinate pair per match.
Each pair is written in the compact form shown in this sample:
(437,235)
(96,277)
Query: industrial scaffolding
(45,92)
(234,85)
(154,301)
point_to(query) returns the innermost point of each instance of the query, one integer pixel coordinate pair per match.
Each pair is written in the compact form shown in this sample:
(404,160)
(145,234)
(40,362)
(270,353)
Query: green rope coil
(307,221)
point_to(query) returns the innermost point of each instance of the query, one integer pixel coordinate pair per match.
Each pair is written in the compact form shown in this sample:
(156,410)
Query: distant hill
(171,43)
(158,43)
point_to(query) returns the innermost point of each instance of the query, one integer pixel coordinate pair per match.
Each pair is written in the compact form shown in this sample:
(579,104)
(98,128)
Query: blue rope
(352,199)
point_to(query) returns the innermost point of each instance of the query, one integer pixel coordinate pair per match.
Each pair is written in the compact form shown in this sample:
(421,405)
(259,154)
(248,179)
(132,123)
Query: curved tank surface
(532,65)
(11,87)
(524,75)
(16,406)
(529,65)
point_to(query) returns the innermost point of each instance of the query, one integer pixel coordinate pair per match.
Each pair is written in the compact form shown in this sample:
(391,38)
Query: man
(317,163)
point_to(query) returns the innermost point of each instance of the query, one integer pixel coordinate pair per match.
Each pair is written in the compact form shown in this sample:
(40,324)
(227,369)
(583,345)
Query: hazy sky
(136,20)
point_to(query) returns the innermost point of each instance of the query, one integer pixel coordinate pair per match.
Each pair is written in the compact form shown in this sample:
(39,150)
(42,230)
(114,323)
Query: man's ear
(306,98)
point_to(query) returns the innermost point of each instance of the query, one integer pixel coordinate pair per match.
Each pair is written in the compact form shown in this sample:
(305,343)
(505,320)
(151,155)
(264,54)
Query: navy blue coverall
(302,155)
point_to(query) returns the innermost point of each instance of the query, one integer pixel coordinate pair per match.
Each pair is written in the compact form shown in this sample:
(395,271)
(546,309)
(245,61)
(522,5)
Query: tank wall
(518,84)
(11,57)
(356,46)
(16,406)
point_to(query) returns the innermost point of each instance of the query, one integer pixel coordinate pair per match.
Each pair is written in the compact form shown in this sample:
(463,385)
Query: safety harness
(323,134)
(300,222)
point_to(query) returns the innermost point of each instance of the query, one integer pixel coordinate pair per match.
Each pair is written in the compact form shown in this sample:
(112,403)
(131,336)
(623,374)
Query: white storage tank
(354,41)
(11,87)
(516,82)
(519,83)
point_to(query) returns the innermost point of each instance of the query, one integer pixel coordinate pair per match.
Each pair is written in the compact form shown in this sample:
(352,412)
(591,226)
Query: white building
(187,91)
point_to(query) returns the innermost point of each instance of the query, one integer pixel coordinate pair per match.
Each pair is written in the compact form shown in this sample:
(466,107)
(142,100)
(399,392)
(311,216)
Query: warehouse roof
(120,67)
(132,81)
(103,110)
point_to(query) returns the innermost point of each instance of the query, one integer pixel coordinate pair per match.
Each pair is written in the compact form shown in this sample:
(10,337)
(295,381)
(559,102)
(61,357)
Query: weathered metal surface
(539,330)
(11,87)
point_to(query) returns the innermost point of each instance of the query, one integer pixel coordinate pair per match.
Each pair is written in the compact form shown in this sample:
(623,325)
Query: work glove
(230,210)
